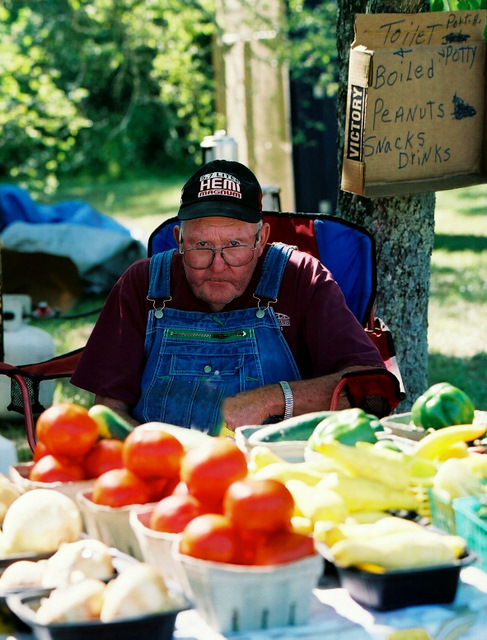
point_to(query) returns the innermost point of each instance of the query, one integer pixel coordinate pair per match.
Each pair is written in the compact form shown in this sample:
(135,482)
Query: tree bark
(403,227)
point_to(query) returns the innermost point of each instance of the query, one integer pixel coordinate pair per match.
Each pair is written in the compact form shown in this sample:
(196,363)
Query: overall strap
(272,270)
(160,275)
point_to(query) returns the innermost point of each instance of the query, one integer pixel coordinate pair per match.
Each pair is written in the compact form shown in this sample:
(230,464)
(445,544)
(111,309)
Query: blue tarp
(16,205)
(99,246)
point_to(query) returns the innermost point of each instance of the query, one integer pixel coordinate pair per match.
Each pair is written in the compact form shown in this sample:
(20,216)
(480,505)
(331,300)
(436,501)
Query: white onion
(40,520)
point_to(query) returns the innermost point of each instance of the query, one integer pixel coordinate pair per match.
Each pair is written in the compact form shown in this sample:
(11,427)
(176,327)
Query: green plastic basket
(442,512)
(472,528)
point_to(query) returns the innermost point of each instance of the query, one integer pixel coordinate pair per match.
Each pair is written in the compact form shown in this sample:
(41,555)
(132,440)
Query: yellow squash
(389,467)
(433,445)
(402,550)
(361,494)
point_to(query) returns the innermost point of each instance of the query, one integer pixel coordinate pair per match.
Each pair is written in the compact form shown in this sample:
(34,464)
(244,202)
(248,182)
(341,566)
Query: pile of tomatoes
(224,515)
(141,469)
(66,436)
(204,493)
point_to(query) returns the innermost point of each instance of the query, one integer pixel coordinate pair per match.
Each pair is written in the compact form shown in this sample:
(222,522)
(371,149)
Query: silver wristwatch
(288,399)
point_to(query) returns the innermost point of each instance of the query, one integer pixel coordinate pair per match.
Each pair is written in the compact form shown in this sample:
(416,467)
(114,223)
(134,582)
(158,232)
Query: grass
(457,335)
(140,204)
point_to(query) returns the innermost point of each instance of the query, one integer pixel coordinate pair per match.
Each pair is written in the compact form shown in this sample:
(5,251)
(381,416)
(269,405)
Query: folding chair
(26,379)
(345,248)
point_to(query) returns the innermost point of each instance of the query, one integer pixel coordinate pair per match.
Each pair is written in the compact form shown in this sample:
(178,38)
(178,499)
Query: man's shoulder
(302,262)
(297,255)
(136,275)
(139,270)
(139,267)
(142,266)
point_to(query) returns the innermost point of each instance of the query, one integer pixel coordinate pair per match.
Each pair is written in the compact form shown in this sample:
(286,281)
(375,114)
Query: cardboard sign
(416,104)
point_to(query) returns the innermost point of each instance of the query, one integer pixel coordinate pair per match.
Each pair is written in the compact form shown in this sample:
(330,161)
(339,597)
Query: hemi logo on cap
(356,122)
(220,184)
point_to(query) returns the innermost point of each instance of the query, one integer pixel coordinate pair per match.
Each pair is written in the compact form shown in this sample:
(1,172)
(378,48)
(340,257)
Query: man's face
(220,283)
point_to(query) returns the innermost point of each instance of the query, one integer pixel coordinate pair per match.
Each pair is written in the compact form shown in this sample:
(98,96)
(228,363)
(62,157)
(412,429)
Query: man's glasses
(234,255)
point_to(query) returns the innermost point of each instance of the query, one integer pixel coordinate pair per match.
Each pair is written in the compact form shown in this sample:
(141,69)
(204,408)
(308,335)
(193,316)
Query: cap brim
(219,208)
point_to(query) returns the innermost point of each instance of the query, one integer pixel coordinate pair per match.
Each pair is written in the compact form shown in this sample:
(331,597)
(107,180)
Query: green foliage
(106,87)
(39,121)
(310,44)
(306,44)
(458,5)
(102,87)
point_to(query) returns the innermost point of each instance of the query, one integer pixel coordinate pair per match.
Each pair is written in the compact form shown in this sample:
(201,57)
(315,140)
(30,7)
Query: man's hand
(119,407)
(253,407)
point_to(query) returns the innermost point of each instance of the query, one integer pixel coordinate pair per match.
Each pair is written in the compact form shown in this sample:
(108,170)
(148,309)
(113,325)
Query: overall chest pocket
(210,366)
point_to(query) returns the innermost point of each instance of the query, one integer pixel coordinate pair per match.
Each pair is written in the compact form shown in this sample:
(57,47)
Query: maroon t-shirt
(323,334)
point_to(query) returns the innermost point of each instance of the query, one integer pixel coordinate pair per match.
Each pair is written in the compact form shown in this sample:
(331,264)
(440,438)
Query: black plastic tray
(159,626)
(405,587)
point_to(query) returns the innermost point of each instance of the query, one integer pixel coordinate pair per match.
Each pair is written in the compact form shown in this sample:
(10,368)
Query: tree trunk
(403,227)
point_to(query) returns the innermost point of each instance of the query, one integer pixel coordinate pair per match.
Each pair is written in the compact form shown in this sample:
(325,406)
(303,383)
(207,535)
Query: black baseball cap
(222,188)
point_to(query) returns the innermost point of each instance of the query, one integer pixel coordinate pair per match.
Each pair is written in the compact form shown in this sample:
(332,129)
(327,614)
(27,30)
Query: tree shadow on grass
(468,374)
(471,200)
(457,286)
(445,242)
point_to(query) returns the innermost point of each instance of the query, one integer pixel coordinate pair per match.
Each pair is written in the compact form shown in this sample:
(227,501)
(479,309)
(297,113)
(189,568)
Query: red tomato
(163,487)
(50,468)
(249,541)
(103,456)
(160,488)
(40,450)
(210,468)
(181,489)
(172,514)
(120,487)
(284,546)
(152,453)
(66,429)
(259,504)
(210,536)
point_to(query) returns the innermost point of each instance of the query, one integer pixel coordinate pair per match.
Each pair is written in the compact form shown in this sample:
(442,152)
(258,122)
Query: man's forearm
(255,406)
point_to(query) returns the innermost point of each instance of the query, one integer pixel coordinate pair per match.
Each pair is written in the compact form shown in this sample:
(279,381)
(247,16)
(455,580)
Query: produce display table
(336,616)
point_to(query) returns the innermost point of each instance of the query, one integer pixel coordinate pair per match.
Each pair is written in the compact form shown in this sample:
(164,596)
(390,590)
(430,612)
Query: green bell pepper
(442,405)
(348,426)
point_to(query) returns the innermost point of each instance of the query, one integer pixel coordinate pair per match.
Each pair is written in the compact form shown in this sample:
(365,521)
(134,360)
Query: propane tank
(8,455)
(23,345)
(219,147)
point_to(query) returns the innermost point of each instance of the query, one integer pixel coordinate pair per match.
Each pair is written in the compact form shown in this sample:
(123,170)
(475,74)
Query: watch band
(288,399)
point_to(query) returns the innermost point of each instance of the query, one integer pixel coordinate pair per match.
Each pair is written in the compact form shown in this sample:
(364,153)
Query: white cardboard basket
(19,475)
(109,524)
(156,547)
(232,598)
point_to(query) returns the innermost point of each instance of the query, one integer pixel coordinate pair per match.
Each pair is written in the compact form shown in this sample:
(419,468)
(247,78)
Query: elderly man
(228,327)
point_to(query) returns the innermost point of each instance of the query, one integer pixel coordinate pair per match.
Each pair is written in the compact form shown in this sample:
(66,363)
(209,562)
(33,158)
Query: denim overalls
(195,360)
